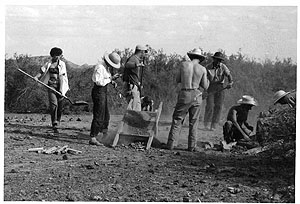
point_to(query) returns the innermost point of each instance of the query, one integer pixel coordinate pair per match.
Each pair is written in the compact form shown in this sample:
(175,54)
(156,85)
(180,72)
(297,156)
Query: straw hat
(247,100)
(196,53)
(113,59)
(218,55)
(279,95)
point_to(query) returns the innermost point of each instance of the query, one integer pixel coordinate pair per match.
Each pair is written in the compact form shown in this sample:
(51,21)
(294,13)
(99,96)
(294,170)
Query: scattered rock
(202,181)
(78,119)
(96,198)
(227,147)
(65,157)
(186,199)
(233,190)
(14,171)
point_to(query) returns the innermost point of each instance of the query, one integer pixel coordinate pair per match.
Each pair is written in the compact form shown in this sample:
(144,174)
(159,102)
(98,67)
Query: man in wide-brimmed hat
(283,97)
(102,76)
(217,71)
(191,76)
(133,77)
(236,127)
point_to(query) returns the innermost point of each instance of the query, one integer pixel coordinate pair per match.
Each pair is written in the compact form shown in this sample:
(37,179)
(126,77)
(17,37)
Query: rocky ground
(131,173)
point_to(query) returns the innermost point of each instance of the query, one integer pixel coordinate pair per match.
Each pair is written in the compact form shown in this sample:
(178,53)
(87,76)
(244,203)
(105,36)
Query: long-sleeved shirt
(101,75)
(132,70)
(62,74)
(217,74)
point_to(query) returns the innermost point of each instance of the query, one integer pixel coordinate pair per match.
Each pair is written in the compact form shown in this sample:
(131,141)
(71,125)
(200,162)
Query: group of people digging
(191,77)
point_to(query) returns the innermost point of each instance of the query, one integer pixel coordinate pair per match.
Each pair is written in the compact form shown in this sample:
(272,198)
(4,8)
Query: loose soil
(131,173)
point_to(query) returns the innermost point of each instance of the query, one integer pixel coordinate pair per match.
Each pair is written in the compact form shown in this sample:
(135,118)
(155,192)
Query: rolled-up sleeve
(226,70)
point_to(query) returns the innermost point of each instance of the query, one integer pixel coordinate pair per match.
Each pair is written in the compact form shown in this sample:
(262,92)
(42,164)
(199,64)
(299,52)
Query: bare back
(192,76)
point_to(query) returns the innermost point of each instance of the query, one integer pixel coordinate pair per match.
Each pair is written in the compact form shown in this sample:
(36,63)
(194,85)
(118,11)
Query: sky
(86,32)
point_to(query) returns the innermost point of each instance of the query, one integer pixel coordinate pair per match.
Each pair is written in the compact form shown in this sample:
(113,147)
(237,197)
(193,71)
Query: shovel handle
(52,89)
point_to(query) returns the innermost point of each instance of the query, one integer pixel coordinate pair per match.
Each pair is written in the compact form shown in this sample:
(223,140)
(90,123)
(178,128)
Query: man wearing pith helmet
(102,76)
(133,77)
(236,127)
(216,73)
(283,98)
(191,76)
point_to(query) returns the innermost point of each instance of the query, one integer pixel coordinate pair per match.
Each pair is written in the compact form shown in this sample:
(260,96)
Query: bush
(259,79)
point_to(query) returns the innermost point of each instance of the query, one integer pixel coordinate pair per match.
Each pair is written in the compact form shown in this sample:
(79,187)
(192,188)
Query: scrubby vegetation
(260,79)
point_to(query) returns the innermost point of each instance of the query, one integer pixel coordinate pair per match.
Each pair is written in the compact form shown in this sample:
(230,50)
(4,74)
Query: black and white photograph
(149,101)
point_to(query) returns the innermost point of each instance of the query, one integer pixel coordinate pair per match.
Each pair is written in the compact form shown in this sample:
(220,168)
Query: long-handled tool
(76,103)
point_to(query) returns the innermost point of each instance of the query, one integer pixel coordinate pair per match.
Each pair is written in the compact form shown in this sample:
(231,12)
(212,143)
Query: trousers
(55,105)
(187,102)
(133,97)
(214,103)
(101,114)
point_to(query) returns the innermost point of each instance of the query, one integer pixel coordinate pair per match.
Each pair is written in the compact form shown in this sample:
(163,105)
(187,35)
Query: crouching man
(236,128)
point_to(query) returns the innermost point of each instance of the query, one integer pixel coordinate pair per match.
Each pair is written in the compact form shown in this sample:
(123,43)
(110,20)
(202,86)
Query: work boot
(94,141)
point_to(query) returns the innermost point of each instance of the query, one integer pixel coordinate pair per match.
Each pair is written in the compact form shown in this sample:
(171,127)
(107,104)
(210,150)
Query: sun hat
(279,95)
(218,55)
(55,52)
(246,99)
(140,47)
(196,53)
(113,59)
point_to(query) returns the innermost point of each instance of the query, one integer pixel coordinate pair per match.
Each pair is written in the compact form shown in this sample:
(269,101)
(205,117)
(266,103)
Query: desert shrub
(260,79)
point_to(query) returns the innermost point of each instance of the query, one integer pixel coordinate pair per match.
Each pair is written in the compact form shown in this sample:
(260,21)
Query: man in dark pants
(54,74)
(191,77)
(216,73)
(132,77)
(102,76)
(236,127)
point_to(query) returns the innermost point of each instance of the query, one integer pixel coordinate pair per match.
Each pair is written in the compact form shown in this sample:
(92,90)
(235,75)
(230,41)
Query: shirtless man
(191,77)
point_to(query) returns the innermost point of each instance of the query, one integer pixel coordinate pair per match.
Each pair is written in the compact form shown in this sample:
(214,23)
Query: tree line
(259,79)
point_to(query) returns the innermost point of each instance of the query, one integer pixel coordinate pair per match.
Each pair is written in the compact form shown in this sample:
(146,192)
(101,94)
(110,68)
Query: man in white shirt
(102,76)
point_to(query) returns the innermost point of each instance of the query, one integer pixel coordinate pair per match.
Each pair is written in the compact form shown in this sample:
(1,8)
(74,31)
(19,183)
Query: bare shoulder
(186,64)
(200,67)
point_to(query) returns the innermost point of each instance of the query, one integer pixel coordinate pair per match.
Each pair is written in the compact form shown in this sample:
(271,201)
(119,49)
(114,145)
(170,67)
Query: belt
(184,89)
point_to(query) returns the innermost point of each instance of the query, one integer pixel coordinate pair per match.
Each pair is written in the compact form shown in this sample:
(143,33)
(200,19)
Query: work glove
(229,85)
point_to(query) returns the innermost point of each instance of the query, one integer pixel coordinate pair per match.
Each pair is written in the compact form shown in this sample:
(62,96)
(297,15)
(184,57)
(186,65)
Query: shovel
(76,103)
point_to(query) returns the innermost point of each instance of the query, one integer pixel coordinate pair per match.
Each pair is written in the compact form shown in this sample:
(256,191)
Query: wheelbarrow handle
(52,89)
